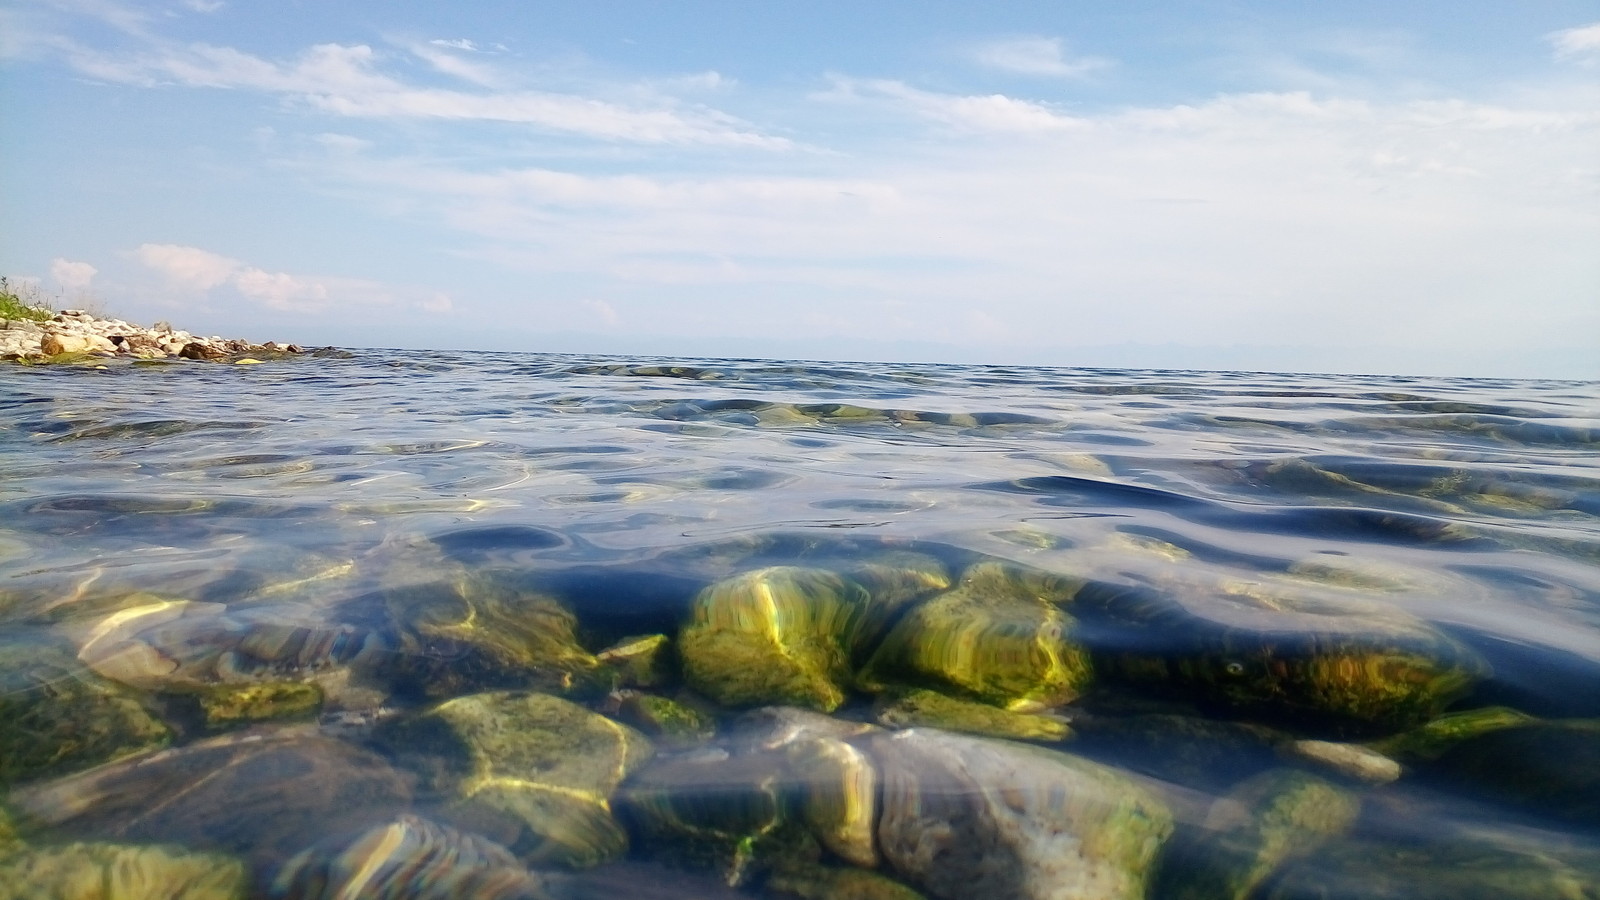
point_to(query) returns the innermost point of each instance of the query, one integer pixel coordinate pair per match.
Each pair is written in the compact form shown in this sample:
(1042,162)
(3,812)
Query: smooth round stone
(1351,761)
(90,871)
(264,795)
(412,858)
(56,716)
(776,635)
(835,786)
(971,817)
(1000,637)
(544,766)
(1250,832)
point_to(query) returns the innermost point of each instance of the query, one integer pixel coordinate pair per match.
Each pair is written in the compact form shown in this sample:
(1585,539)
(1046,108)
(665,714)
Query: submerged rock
(468,633)
(1430,741)
(1250,832)
(835,788)
(1330,664)
(935,710)
(542,766)
(56,716)
(263,795)
(90,871)
(776,635)
(228,706)
(663,719)
(1000,636)
(826,883)
(1551,768)
(1442,870)
(642,661)
(409,858)
(969,817)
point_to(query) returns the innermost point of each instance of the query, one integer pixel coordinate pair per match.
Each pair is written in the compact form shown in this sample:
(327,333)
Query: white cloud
(602,309)
(204,6)
(72,276)
(455,44)
(992,113)
(188,267)
(347,81)
(1035,56)
(205,272)
(1581,43)
(449,63)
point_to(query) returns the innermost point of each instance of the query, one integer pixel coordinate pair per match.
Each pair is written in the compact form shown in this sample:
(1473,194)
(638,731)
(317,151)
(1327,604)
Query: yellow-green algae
(775,635)
(468,633)
(1000,636)
(664,719)
(1428,742)
(231,705)
(56,716)
(641,661)
(921,707)
(545,764)
(1251,831)
(815,882)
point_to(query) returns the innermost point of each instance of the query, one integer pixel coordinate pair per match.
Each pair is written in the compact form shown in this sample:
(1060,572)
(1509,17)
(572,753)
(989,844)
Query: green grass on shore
(22,303)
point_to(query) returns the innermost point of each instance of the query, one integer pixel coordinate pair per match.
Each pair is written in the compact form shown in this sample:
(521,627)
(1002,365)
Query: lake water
(1224,593)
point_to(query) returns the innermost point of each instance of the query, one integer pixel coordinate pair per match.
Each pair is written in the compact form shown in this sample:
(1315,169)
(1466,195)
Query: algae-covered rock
(665,720)
(775,635)
(893,580)
(642,661)
(89,871)
(231,705)
(721,812)
(1201,753)
(263,795)
(935,710)
(56,716)
(1440,870)
(1551,768)
(467,633)
(412,858)
(970,817)
(1430,741)
(827,883)
(543,765)
(1000,636)
(1250,832)
(1328,663)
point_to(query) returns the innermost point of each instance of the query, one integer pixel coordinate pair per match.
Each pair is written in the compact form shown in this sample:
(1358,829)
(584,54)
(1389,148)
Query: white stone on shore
(74,331)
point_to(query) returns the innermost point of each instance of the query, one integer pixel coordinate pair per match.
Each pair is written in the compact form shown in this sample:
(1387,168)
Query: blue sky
(1371,187)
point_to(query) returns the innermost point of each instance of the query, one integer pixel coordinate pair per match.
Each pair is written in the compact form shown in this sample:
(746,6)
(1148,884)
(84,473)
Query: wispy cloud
(72,276)
(348,80)
(201,271)
(1581,44)
(990,113)
(1042,56)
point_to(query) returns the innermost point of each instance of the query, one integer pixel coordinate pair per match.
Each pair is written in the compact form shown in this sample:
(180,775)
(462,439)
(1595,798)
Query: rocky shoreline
(73,335)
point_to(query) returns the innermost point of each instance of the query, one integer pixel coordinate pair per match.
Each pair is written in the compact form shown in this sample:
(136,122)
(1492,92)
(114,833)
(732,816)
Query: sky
(1408,188)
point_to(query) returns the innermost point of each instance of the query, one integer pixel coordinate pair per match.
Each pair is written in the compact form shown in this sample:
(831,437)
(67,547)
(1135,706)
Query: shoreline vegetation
(32,333)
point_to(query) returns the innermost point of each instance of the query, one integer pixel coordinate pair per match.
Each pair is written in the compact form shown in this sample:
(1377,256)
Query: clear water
(292,489)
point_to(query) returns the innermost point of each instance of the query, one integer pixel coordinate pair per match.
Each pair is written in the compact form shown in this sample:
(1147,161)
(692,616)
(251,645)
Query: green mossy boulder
(56,716)
(643,661)
(935,710)
(1430,741)
(777,635)
(1439,870)
(1322,662)
(1550,768)
(665,720)
(1250,832)
(468,633)
(541,767)
(1000,636)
